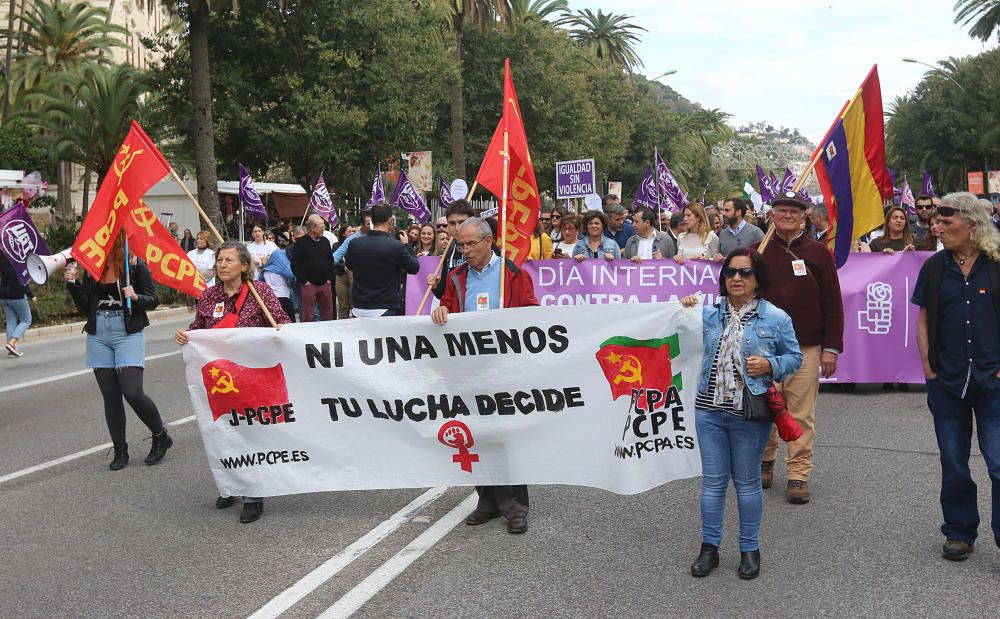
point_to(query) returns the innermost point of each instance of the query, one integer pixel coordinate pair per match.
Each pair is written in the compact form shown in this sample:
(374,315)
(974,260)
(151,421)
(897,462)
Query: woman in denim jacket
(747,341)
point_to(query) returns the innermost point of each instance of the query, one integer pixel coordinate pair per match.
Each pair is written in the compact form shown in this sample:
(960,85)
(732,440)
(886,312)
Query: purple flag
(18,238)
(788,182)
(766,189)
(906,198)
(927,187)
(892,175)
(646,195)
(804,195)
(444,194)
(378,192)
(701,200)
(406,197)
(252,204)
(321,203)
(672,197)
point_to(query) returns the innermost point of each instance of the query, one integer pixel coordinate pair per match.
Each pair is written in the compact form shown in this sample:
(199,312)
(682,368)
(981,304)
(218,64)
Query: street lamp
(670,72)
(937,70)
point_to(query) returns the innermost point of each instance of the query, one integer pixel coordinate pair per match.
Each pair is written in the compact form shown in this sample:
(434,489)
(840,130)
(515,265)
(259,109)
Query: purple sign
(575,179)
(18,238)
(880,324)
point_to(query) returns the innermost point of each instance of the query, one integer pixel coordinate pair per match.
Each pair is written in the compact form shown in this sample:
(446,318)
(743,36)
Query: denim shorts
(111,347)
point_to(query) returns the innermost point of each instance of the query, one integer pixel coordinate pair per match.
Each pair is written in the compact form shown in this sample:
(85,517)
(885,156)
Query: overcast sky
(790,63)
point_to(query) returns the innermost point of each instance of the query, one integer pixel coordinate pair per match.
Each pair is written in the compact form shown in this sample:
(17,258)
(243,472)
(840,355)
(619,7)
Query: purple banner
(18,238)
(880,324)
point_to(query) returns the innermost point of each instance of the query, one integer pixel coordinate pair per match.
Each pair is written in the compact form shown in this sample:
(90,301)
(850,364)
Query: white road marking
(314,579)
(80,454)
(381,577)
(51,379)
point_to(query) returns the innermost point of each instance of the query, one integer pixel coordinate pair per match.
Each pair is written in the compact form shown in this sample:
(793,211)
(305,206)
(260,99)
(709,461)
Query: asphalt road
(81,541)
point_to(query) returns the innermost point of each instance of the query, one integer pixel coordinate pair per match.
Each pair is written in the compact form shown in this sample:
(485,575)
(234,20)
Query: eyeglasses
(946,211)
(745,272)
(925,207)
(468,246)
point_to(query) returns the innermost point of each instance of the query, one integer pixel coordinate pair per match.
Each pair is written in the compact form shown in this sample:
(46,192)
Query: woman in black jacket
(116,348)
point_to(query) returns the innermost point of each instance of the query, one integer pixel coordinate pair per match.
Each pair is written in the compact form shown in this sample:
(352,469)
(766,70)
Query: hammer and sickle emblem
(122,165)
(630,372)
(223,382)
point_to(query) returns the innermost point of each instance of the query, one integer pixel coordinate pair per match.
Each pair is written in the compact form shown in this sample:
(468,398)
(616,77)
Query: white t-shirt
(205,263)
(260,251)
(330,236)
(690,245)
(278,284)
(567,249)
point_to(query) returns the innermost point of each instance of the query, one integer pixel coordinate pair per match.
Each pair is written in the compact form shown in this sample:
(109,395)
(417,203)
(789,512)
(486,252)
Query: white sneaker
(12,351)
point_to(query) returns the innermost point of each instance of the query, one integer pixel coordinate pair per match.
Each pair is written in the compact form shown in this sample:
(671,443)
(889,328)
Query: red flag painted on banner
(231,386)
(631,364)
(169,264)
(523,201)
(137,167)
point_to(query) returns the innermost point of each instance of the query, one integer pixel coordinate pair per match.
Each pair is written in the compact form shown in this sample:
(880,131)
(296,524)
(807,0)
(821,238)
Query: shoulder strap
(238,306)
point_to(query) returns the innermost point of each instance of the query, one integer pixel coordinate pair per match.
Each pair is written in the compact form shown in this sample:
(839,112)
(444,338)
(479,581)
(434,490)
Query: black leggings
(127,383)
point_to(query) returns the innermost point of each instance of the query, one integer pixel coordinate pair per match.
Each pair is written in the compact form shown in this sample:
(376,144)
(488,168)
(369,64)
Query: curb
(73,328)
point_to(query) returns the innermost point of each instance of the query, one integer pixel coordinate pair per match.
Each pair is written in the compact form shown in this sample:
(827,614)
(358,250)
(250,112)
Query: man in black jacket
(312,265)
(379,262)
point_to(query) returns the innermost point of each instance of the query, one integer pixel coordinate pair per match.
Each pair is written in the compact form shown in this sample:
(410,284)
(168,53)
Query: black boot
(121,457)
(161,443)
(749,564)
(708,560)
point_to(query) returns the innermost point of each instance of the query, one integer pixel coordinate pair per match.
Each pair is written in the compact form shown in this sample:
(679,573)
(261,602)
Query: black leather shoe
(517,525)
(224,501)
(708,560)
(121,457)
(251,512)
(749,565)
(161,443)
(480,517)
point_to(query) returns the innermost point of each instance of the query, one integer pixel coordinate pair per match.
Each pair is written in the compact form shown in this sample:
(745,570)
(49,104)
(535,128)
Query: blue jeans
(731,447)
(18,316)
(953,426)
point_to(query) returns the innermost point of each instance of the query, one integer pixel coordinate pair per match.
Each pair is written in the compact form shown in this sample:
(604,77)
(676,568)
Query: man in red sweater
(804,283)
(475,286)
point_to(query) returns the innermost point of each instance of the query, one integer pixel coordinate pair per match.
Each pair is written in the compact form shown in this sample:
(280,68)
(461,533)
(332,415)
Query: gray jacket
(662,243)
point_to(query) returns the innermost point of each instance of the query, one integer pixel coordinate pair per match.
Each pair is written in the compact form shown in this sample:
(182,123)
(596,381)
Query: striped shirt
(706,399)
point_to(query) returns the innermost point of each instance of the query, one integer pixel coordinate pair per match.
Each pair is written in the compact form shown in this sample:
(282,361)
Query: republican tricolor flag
(521,192)
(850,166)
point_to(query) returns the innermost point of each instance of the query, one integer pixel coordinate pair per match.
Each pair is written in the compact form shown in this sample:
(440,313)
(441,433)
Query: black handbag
(756,407)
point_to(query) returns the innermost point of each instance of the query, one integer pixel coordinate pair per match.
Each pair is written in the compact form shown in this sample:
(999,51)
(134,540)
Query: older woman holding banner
(226,305)
(749,344)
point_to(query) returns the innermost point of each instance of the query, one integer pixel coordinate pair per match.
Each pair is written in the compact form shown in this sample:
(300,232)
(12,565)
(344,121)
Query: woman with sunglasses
(749,345)
(559,214)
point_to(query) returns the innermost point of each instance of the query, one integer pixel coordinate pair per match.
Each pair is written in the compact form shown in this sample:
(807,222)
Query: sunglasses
(441,226)
(545,218)
(925,207)
(745,272)
(946,211)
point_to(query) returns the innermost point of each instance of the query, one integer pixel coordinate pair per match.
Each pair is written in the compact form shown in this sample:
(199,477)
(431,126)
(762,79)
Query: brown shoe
(797,491)
(478,517)
(767,473)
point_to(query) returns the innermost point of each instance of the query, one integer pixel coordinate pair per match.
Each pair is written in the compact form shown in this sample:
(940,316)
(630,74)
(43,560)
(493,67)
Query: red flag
(523,201)
(137,167)
(231,386)
(169,264)
(638,364)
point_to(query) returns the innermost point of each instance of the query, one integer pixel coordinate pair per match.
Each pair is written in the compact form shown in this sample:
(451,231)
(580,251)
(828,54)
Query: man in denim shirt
(958,334)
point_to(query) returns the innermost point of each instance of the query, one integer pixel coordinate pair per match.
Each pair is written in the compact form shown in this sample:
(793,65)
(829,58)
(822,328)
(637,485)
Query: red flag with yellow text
(169,264)
(137,167)
(523,201)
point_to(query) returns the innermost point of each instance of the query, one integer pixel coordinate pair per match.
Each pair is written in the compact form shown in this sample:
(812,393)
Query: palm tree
(87,116)
(61,37)
(984,13)
(478,14)
(526,10)
(609,37)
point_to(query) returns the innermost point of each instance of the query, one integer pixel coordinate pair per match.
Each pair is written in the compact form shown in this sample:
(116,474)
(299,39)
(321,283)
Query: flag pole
(437,273)
(128,276)
(502,227)
(798,185)
(221,240)
(656,183)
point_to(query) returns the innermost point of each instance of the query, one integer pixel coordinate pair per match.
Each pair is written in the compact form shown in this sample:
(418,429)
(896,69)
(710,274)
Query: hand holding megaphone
(41,267)
(69,273)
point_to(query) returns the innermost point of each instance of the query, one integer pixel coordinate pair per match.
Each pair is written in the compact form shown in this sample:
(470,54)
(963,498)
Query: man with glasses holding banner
(473,287)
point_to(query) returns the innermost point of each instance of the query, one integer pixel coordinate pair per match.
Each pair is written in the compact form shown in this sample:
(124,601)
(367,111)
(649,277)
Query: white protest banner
(523,395)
